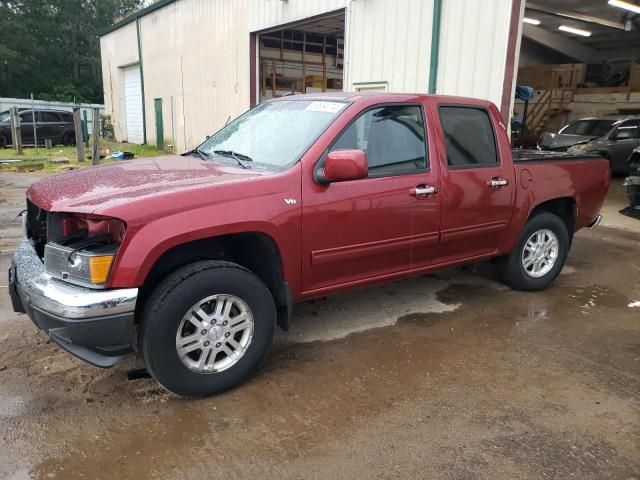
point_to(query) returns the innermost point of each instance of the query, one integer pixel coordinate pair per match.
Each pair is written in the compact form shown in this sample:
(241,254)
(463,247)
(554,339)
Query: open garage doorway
(302,57)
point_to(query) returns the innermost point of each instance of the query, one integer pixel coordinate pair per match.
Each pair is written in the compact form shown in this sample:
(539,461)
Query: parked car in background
(56,125)
(194,259)
(613,137)
(632,182)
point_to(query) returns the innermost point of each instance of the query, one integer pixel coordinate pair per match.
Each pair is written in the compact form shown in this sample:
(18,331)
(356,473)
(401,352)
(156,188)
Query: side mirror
(343,165)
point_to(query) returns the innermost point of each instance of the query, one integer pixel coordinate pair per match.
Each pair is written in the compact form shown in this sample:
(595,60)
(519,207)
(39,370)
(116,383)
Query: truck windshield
(275,134)
(595,128)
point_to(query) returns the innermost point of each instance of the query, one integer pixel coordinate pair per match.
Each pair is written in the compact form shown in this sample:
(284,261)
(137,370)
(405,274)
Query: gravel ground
(441,377)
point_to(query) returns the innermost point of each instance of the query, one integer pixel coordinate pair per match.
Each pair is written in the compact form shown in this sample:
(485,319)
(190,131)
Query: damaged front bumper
(95,325)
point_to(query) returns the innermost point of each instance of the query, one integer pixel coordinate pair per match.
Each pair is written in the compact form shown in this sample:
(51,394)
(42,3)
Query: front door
(374,227)
(627,138)
(26,127)
(477,187)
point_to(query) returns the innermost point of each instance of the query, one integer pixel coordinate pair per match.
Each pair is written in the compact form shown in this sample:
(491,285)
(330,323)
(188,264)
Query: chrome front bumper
(97,326)
(40,290)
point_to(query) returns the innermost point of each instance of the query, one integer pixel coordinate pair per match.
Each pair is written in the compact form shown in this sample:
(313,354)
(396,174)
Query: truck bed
(521,156)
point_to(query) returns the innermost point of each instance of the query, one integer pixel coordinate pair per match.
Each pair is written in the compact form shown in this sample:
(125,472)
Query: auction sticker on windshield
(328,107)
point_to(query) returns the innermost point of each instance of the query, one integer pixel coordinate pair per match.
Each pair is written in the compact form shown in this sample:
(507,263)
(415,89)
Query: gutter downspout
(435,45)
(144,115)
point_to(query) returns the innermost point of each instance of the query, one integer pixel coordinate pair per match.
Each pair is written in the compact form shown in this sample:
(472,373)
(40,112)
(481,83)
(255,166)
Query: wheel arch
(563,207)
(255,251)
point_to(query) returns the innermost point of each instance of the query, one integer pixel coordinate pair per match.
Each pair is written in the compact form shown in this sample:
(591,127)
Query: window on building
(393,137)
(469,137)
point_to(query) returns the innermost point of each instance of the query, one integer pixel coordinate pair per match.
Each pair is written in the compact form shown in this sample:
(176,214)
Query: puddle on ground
(331,318)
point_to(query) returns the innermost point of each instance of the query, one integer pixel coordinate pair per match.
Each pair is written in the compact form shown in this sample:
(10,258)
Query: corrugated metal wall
(265,14)
(118,49)
(196,58)
(473,48)
(196,54)
(389,42)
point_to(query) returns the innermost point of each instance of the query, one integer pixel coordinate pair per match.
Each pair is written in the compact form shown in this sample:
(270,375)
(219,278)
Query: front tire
(206,328)
(539,255)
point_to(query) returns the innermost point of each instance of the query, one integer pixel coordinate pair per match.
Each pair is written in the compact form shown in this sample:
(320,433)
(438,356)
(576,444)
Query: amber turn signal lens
(99,268)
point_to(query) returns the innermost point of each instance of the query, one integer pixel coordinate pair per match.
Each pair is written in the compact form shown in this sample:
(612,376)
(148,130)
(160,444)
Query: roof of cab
(351,97)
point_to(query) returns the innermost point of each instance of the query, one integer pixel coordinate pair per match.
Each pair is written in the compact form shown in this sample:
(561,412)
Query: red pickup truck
(192,260)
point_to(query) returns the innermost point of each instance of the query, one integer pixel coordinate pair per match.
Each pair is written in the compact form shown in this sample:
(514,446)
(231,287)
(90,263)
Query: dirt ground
(447,376)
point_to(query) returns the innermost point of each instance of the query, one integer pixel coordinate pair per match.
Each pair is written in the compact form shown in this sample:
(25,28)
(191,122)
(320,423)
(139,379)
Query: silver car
(613,137)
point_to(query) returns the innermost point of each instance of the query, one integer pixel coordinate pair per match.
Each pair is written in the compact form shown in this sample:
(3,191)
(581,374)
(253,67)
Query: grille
(37,227)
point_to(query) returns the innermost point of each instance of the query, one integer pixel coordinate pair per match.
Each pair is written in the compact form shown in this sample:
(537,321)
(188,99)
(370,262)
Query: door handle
(422,191)
(497,182)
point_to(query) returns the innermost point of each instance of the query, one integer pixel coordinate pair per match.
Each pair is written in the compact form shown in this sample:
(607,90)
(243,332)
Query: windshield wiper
(200,153)
(238,157)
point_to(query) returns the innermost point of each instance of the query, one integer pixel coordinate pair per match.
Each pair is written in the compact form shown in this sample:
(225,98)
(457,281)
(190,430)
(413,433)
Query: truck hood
(96,189)
(557,140)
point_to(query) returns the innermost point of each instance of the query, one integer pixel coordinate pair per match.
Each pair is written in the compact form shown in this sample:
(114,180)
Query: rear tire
(539,255)
(206,328)
(3,141)
(69,139)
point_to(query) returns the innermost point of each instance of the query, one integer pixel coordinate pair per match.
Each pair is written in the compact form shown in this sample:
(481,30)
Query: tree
(51,47)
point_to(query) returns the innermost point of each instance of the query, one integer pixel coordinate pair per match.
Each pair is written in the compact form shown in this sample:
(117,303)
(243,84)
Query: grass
(31,156)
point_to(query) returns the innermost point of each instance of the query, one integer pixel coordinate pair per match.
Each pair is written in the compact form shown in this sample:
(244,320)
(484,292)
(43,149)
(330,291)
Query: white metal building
(179,69)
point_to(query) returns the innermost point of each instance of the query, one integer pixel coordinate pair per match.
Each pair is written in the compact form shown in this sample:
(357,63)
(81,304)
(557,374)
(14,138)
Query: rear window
(469,137)
(590,128)
(49,117)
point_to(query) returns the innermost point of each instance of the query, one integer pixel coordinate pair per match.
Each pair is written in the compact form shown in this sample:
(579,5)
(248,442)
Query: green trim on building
(157,103)
(435,45)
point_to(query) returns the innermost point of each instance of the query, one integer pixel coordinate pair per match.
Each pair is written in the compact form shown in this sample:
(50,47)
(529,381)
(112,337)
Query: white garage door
(133,104)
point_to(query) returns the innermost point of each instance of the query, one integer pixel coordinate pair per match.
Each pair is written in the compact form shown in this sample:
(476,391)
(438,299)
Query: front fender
(267,213)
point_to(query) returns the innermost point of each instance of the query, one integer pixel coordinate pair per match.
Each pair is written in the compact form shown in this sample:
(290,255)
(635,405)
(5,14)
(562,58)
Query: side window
(26,117)
(628,130)
(67,117)
(393,137)
(49,117)
(469,137)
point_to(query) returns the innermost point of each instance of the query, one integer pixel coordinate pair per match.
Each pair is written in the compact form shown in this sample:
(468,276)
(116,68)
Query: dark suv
(56,125)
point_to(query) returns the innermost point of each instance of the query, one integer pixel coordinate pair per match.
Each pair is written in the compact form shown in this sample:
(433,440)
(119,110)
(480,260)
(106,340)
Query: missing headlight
(82,249)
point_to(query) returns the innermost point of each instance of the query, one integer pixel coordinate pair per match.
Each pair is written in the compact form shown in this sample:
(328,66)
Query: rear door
(477,187)
(49,125)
